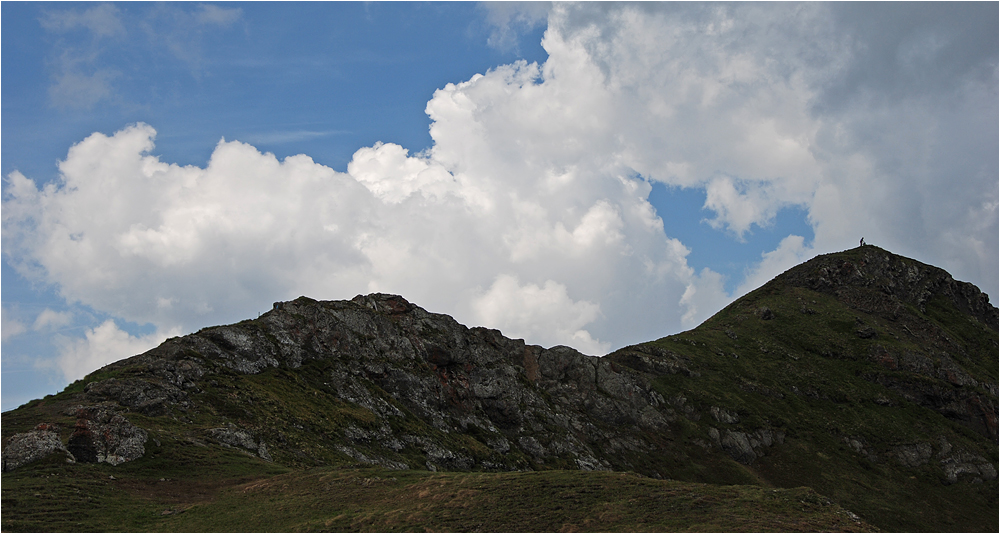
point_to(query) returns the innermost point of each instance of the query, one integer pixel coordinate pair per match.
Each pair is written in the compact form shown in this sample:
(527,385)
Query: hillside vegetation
(857,391)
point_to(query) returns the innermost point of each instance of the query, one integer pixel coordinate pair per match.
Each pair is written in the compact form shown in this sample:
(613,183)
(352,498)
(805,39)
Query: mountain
(866,380)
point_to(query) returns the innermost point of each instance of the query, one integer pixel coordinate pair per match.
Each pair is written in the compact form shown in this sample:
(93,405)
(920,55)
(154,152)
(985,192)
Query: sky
(591,175)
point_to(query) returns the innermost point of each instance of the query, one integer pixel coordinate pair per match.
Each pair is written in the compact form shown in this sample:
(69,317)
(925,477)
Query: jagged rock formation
(860,362)
(404,366)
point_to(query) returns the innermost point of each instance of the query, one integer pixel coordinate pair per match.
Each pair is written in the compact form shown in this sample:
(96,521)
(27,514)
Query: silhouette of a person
(862,241)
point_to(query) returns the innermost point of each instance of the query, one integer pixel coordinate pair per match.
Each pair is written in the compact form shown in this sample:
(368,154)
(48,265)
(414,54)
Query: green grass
(85,498)
(808,373)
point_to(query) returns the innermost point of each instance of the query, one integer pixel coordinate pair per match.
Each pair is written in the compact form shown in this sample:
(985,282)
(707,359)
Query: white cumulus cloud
(529,212)
(790,252)
(100,346)
(542,313)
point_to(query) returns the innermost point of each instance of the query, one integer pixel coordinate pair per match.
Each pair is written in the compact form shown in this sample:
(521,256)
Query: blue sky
(321,79)
(592,175)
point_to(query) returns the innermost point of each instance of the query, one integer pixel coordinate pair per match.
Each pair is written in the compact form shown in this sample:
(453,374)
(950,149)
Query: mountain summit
(868,377)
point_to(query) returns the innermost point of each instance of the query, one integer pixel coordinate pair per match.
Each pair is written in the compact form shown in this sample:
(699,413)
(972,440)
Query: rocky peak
(877,280)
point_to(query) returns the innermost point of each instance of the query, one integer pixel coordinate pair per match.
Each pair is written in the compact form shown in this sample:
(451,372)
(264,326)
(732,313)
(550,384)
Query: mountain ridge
(869,377)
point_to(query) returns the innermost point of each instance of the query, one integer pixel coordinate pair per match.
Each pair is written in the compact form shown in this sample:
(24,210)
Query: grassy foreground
(53,497)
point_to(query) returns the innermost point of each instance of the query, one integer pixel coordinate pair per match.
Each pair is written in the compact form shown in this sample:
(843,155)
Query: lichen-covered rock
(964,463)
(746,447)
(241,439)
(102,435)
(723,416)
(914,455)
(738,447)
(144,396)
(31,446)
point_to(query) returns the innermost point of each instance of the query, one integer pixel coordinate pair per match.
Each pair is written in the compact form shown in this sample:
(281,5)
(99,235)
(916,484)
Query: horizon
(174,166)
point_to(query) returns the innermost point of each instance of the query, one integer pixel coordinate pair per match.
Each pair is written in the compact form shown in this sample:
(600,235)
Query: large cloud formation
(529,213)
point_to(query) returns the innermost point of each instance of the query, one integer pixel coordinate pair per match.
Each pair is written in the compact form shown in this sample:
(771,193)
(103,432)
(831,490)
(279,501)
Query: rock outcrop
(103,435)
(31,446)
(231,436)
(398,362)
(878,281)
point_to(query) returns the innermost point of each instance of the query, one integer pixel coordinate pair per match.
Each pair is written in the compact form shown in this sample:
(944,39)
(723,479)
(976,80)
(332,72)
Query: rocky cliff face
(419,377)
(869,377)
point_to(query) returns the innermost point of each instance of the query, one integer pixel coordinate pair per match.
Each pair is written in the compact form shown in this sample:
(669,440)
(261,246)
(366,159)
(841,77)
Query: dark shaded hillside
(868,377)
(879,372)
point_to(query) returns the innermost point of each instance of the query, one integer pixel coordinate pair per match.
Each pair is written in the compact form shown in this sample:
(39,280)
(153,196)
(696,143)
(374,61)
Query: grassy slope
(803,372)
(49,496)
(187,483)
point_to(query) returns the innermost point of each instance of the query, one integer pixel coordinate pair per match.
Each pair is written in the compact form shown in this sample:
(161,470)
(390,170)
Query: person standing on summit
(862,241)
